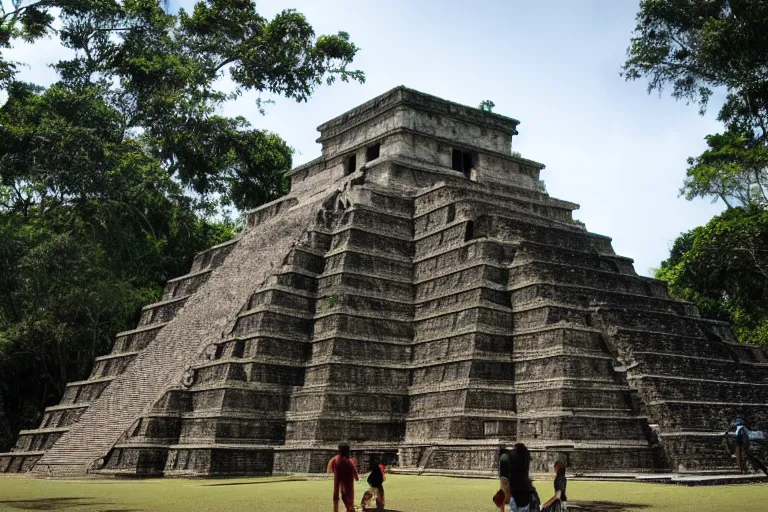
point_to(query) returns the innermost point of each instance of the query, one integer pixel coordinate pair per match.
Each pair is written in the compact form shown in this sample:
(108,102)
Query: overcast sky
(554,65)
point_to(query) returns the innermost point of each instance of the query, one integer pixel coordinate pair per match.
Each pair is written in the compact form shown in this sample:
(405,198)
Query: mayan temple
(418,295)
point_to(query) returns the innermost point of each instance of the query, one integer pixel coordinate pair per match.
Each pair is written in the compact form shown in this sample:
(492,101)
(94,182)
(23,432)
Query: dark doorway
(372,152)
(350,165)
(463,161)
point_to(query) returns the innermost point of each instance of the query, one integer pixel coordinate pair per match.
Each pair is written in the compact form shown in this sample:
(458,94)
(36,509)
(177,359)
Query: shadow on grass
(56,504)
(254,482)
(605,506)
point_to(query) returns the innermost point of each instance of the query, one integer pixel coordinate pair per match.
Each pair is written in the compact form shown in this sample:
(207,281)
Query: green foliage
(110,177)
(486,106)
(26,20)
(695,46)
(75,272)
(723,269)
(157,74)
(732,170)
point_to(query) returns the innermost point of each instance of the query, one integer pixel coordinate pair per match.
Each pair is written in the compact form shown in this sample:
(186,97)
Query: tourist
(514,469)
(742,444)
(376,481)
(558,502)
(742,437)
(344,471)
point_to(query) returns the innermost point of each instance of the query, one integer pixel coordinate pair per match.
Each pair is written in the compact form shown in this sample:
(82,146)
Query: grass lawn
(404,494)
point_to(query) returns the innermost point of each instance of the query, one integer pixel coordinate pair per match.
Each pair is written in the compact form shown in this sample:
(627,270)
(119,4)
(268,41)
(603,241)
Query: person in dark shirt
(742,448)
(559,501)
(376,481)
(520,482)
(514,467)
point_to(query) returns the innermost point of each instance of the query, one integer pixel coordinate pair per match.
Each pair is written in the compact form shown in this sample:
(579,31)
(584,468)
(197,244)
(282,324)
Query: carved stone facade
(419,295)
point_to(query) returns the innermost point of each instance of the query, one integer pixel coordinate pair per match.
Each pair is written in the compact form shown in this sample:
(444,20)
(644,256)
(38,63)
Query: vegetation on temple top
(486,106)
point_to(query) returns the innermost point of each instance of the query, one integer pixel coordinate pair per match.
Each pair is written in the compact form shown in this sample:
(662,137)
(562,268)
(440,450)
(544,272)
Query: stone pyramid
(419,295)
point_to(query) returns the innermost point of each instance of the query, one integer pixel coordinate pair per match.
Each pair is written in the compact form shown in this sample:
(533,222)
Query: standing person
(516,486)
(376,481)
(520,481)
(505,473)
(742,444)
(558,502)
(742,449)
(344,472)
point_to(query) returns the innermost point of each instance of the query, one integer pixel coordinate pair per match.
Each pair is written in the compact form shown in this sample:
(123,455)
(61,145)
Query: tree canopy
(731,169)
(112,177)
(723,268)
(155,75)
(697,47)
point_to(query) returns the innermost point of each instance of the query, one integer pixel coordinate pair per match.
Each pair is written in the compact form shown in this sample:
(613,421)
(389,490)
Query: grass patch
(404,494)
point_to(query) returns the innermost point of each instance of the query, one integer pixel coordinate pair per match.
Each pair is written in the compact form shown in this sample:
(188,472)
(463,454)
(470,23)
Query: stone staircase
(229,413)
(262,399)
(31,445)
(161,364)
(693,379)
(461,390)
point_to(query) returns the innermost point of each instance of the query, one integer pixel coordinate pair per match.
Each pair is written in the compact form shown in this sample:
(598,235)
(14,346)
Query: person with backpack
(741,442)
(742,450)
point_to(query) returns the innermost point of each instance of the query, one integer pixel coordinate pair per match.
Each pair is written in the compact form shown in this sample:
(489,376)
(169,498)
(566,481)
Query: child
(344,472)
(558,502)
(376,481)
